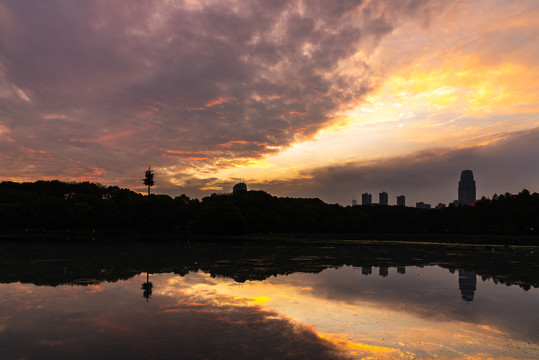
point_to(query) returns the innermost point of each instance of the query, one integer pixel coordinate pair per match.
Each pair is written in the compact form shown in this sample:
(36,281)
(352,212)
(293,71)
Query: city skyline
(299,98)
(466,195)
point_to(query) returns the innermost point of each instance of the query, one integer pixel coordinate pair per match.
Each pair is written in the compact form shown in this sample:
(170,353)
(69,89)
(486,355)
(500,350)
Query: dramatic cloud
(98,91)
(507,165)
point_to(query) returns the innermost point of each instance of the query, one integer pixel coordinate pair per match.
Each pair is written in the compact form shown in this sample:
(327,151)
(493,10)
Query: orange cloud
(191,304)
(218,101)
(212,188)
(230,143)
(297,113)
(468,85)
(195,158)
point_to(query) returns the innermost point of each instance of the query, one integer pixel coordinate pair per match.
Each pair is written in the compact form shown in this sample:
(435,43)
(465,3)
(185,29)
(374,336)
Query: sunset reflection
(384,326)
(183,320)
(410,313)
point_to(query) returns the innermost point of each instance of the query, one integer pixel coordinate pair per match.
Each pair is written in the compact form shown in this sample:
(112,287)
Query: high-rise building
(466,188)
(366,199)
(383,198)
(401,200)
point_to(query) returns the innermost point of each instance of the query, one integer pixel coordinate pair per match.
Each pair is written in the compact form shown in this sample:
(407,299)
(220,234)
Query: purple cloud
(99,90)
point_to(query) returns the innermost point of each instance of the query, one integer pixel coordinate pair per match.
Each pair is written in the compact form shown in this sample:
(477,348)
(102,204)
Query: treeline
(60,206)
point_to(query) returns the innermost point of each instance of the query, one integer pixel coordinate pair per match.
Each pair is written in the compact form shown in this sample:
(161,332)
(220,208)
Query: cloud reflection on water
(335,314)
(417,314)
(178,322)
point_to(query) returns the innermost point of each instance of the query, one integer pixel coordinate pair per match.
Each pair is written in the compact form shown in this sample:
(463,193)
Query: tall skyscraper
(466,188)
(366,199)
(401,200)
(383,198)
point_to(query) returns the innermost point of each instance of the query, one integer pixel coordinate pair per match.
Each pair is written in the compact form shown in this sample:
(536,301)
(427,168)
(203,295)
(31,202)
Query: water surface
(224,301)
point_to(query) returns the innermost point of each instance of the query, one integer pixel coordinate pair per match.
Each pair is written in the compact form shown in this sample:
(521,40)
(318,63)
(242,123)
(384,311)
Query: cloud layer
(507,165)
(98,91)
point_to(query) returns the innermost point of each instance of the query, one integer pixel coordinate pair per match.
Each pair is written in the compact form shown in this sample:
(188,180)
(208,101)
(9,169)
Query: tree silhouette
(148,179)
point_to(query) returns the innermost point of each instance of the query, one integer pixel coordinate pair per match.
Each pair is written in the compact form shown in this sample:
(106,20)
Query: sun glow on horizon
(448,97)
(302,91)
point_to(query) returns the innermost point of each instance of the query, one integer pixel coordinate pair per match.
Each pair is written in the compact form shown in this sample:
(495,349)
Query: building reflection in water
(366,270)
(467,279)
(467,284)
(197,315)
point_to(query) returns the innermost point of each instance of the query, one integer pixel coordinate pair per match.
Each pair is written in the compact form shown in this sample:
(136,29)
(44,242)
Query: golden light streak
(258,300)
(455,83)
(363,329)
(230,143)
(415,109)
(212,188)
(195,158)
(468,86)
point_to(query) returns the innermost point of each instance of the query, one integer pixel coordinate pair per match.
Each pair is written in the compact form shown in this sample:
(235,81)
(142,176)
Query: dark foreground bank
(30,210)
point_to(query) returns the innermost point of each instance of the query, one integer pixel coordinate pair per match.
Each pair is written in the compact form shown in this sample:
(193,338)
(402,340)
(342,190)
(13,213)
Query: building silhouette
(239,187)
(354,201)
(401,200)
(466,188)
(383,271)
(401,270)
(467,284)
(383,198)
(422,205)
(366,199)
(440,206)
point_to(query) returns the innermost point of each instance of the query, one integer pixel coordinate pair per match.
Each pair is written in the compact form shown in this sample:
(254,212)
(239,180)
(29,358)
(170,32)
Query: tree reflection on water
(147,287)
(313,301)
(61,263)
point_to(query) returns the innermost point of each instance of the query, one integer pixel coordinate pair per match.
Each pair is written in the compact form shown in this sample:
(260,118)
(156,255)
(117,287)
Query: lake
(278,300)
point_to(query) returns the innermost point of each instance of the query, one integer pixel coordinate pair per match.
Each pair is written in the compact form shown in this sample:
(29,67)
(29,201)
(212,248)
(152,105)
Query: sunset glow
(294,97)
(373,328)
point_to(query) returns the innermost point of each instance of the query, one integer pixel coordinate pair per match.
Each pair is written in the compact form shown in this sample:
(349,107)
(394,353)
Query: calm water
(233,302)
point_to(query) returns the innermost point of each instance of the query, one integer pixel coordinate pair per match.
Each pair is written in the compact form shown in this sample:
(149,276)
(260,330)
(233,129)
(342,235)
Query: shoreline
(116,236)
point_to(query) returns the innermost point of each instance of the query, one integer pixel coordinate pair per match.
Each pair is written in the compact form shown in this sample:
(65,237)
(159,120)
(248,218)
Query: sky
(298,98)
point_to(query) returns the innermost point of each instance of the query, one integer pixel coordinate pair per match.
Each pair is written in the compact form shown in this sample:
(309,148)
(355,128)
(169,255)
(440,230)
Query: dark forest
(49,206)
